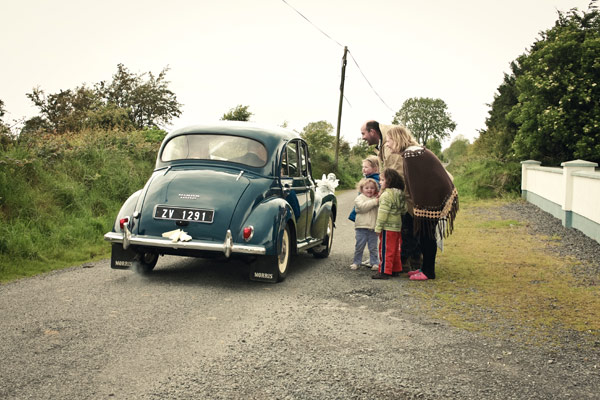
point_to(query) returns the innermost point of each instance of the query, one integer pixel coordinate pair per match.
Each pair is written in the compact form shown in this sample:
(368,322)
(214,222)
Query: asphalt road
(199,329)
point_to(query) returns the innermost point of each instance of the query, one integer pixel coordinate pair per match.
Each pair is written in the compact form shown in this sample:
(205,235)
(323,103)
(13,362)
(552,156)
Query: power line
(339,44)
(374,91)
(310,22)
(347,101)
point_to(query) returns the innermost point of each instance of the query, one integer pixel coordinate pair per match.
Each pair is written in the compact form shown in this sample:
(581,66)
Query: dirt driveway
(199,329)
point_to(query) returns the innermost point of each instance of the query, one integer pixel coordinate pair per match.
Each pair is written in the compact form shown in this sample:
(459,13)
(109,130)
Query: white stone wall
(571,193)
(586,195)
(546,182)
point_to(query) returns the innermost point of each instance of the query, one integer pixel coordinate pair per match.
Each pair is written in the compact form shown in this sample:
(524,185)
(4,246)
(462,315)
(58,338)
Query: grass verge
(497,278)
(59,194)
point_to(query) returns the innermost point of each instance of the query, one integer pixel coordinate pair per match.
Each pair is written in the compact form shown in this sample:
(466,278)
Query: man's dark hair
(393,179)
(373,125)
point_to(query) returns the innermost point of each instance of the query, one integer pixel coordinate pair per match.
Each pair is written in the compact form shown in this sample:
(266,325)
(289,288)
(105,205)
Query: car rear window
(216,147)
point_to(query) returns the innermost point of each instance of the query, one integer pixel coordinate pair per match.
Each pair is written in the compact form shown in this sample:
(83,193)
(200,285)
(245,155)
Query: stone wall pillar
(524,166)
(568,168)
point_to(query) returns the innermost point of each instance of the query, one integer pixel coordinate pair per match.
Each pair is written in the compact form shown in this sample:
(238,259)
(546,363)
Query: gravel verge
(566,242)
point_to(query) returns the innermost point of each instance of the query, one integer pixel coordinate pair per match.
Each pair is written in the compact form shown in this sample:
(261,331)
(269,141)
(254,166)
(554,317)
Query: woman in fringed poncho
(432,194)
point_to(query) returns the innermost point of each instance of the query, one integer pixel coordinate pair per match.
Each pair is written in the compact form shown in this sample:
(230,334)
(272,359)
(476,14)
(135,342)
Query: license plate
(184,214)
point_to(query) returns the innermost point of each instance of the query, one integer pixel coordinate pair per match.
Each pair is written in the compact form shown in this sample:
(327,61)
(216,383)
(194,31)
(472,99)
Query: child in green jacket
(392,206)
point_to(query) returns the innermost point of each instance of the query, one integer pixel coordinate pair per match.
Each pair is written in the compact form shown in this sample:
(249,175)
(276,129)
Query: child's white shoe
(353,266)
(375,267)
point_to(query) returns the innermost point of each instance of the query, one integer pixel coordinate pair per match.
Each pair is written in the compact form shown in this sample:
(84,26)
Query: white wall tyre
(283,258)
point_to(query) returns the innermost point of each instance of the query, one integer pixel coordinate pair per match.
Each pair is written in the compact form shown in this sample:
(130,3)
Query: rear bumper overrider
(227,247)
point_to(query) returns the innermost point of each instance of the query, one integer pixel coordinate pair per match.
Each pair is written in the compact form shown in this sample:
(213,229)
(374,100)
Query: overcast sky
(263,54)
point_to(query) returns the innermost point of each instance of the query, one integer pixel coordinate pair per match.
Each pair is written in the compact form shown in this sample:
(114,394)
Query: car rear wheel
(145,263)
(274,268)
(283,258)
(324,249)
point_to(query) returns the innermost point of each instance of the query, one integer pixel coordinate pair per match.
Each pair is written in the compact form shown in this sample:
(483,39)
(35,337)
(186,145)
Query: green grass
(495,277)
(60,194)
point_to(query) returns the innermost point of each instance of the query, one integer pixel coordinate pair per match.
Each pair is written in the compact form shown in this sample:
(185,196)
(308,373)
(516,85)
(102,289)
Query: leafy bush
(349,169)
(154,135)
(321,141)
(483,178)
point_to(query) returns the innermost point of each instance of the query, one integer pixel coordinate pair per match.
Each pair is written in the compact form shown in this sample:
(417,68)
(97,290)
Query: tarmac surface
(199,329)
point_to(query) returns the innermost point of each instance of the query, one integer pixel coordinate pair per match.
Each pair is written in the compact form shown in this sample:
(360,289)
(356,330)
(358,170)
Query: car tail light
(248,233)
(123,221)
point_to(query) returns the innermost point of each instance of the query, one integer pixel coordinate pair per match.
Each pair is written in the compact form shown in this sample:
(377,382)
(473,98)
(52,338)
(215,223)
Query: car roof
(273,137)
(270,135)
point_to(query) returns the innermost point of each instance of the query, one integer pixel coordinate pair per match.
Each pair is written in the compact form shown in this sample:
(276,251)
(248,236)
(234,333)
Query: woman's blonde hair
(402,138)
(374,161)
(363,182)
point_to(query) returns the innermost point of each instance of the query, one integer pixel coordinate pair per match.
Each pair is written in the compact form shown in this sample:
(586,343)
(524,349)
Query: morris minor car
(227,190)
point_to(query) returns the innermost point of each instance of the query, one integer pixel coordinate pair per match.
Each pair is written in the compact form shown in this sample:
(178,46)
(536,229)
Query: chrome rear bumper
(227,247)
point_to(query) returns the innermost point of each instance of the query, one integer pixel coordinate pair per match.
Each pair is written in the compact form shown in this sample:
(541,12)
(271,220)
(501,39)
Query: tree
(3,127)
(436,148)
(558,109)
(109,117)
(149,103)
(458,148)
(66,110)
(239,113)
(426,118)
(5,134)
(34,125)
(345,149)
(119,91)
(144,102)
(319,136)
(498,137)
(362,149)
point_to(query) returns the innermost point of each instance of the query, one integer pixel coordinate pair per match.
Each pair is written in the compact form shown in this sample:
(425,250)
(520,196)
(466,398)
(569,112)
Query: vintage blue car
(227,189)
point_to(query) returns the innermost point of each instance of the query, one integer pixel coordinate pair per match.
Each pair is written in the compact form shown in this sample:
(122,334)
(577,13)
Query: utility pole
(339,121)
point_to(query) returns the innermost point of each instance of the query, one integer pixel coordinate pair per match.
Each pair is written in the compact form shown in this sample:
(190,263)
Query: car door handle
(286,189)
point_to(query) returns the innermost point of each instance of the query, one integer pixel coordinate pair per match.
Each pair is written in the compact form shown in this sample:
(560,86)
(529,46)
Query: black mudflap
(120,258)
(264,269)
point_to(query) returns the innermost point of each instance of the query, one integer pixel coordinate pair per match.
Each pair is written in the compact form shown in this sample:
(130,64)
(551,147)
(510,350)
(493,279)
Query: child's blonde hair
(363,182)
(402,138)
(374,161)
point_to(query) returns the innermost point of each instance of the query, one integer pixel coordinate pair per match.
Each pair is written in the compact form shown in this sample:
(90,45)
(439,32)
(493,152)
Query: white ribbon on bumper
(177,235)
